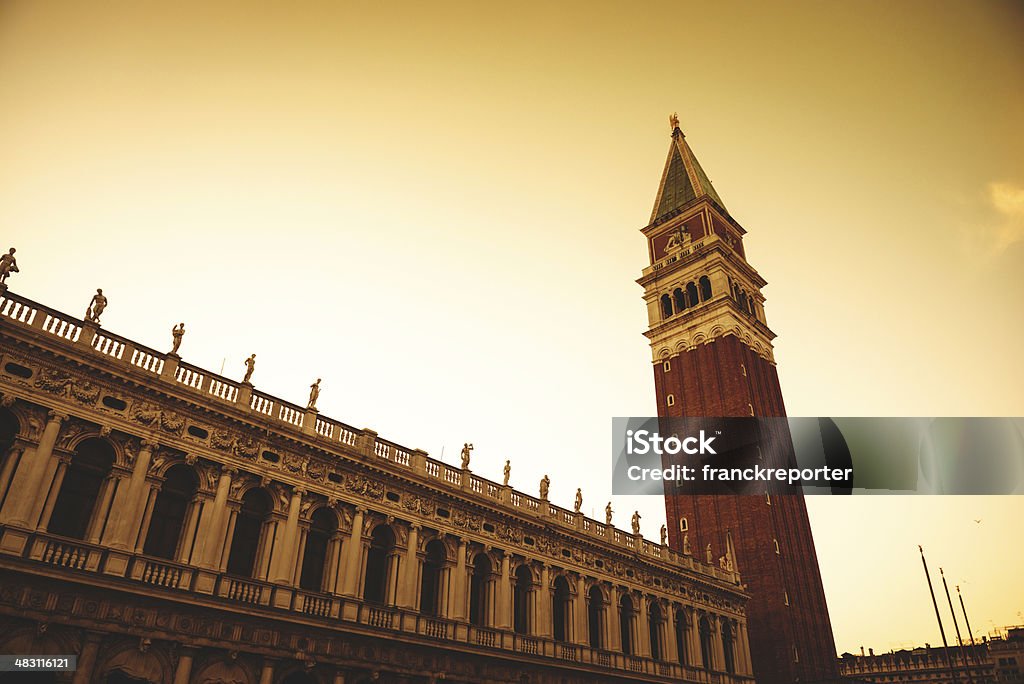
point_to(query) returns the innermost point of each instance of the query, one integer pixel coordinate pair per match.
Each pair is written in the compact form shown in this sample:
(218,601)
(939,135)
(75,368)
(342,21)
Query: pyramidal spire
(683,179)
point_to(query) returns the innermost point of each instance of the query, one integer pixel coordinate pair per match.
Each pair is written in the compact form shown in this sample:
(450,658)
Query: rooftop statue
(579,499)
(664,535)
(177,332)
(96,307)
(508,471)
(636,523)
(314,394)
(673,120)
(545,484)
(250,366)
(608,514)
(466,448)
(8,265)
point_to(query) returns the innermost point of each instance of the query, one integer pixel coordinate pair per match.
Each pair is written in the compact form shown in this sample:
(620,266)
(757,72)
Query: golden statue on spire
(673,120)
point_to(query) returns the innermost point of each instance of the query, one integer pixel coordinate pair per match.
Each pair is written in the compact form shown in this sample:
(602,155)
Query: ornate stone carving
(85,392)
(53,381)
(145,413)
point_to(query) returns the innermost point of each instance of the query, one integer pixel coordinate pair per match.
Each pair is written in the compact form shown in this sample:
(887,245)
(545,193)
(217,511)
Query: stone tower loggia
(712,356)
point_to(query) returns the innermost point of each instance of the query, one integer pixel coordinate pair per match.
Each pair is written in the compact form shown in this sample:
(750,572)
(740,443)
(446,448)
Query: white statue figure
(636,523)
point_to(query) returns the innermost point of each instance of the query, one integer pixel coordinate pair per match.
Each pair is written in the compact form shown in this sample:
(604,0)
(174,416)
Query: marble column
(460,596)
(267,672)
(544,625)
(643,630)
(670,649)
(505,609)
(284,556)
(126,510)
(352,551)
(410,571)
(184,668)
(211,527)
(23,502)
(87,659)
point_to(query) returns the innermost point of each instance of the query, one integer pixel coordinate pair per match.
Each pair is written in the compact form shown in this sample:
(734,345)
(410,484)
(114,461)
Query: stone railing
(286,417)
(174,581)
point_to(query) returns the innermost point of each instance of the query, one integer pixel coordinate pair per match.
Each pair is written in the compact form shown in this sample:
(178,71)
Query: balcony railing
(177,579)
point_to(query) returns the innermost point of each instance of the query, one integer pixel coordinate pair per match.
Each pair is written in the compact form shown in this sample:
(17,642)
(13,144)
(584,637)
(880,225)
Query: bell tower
(712,356)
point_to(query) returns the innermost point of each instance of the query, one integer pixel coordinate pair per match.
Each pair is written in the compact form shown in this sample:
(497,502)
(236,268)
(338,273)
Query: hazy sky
(435,207)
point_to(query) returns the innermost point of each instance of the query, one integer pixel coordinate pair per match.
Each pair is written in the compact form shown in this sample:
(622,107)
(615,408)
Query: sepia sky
(435,208)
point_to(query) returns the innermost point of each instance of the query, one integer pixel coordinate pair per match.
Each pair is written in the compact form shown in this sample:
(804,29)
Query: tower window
(785,597)
(691,294)
(777,550)
(670,400)
(679,298)
(683,525)
(768,498)
(705,288)
(666,366)
(666,306)
(750,407)
(743,369)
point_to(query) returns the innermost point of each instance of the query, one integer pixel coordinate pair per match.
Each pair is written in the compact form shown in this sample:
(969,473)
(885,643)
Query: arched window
(705,288)
(166,524)
(679,298)
(595,617)
(322,527)
(378,565)
(654,620)
(743,300)
(80,491)
(521,594)
(681,628)
(248,535)
(480,590)
(728,642)
(666,306)
(626,624)
(691,294)
(705,643)
(561,609)
(430,584)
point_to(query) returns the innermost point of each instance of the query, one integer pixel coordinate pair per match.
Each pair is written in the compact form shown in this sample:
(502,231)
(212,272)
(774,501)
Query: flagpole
(938,618)
(956,625)
(968,623)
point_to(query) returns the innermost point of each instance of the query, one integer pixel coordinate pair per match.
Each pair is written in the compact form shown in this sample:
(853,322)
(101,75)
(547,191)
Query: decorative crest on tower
(673,120)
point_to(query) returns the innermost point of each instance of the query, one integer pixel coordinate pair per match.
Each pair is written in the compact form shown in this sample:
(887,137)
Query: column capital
(415,527)
(147,443)
(361,510)
(56,416)
(227,469)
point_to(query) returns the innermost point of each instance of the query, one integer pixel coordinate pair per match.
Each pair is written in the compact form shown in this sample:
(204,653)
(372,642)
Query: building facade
(927,665)
(167,524)
(712,356)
